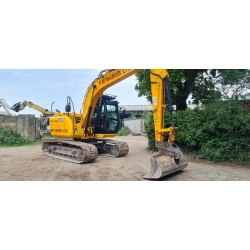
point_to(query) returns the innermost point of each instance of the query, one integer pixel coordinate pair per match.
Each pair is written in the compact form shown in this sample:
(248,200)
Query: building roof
(136,107)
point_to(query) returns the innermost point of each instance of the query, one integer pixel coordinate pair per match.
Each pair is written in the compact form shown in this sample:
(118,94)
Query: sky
(45,86)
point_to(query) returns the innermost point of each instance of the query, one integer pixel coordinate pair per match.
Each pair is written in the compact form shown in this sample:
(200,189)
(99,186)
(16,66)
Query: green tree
(181,81)
(233,84)
(206,85)
(221,84)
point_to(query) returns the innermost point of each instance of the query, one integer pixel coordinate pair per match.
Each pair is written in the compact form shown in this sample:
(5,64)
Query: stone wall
(26,126)
(22,124)
(9,121)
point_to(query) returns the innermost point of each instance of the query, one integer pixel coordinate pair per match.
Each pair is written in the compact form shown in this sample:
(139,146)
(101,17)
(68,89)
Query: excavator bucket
(168,161)
(16,107)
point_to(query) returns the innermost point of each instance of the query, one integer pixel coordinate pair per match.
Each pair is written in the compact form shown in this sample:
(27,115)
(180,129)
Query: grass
(9,138)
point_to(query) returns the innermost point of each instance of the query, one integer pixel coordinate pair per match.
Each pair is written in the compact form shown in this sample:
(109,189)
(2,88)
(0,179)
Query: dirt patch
(29,164)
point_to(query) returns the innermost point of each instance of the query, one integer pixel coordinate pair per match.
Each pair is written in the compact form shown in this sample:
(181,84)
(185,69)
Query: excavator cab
(106,118)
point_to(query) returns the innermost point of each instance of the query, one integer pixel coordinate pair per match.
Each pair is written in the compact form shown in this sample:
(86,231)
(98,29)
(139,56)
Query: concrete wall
(135,125)
(22,124)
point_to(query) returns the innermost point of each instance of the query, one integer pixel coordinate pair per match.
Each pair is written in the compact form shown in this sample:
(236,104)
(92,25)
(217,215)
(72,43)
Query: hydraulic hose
(169,99)
(89,111)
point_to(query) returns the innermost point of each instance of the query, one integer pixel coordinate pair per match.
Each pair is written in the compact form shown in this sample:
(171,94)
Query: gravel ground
(27,163)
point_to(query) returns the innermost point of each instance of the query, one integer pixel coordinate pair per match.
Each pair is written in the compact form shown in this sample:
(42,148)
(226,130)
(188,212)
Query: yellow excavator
(80,137)
(44,118)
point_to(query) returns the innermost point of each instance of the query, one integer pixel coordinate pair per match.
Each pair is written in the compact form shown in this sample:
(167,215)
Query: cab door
(107,118)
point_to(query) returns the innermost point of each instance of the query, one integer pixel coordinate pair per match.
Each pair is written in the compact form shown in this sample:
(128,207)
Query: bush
(219,132)
(226,133)
(189,123)
(123,131)
(10,138)
(147,116)
(132,116)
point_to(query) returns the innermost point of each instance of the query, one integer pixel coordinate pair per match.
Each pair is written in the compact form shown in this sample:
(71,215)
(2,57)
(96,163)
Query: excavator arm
(6,107)
(20,106)
(44,116)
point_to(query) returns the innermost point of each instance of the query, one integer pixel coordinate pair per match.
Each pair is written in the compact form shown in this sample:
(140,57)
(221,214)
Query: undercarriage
(81,151)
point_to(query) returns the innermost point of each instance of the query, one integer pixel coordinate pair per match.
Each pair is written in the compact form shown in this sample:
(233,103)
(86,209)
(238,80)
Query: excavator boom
(6,107)
(20,106)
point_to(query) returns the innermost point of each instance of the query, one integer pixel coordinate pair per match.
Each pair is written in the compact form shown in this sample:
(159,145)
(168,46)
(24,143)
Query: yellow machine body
(65,125)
